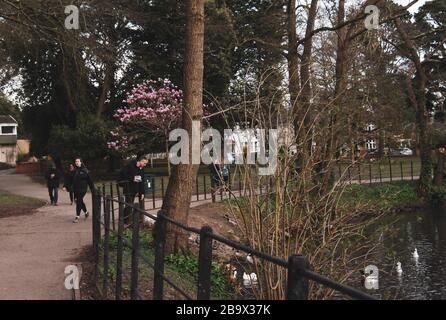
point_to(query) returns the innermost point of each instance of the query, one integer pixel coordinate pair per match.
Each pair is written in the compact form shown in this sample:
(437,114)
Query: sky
(10,92)
(412,9)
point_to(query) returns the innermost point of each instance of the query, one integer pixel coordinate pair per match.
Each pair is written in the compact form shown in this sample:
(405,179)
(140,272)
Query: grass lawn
(14,205)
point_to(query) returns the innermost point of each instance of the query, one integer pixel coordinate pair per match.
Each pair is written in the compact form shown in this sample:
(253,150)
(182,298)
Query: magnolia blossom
(154,105)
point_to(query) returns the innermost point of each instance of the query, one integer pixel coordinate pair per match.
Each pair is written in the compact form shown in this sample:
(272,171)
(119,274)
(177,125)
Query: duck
(415,254)
(399,270)
(250,259)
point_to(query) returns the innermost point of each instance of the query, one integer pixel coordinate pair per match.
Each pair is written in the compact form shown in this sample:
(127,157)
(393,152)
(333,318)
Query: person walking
(68,182)
(81,181)
(52,181)
(219,177)
(131,179)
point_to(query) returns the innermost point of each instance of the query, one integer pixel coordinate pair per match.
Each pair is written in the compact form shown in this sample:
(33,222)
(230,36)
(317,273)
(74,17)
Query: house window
(8,129)
(371,145)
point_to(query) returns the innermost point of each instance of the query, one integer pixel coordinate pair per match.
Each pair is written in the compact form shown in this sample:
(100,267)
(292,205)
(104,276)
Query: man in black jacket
(131,178)
(80,183)
(52,181)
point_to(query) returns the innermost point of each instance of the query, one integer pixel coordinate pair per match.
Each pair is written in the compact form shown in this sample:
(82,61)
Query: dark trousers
(80,205)
(53,192)
(71,196)
(130,199)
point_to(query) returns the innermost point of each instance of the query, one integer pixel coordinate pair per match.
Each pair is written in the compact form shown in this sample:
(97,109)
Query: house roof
(7,119)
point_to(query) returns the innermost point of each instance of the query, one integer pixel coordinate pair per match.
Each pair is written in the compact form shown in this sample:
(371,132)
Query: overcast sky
(412,9)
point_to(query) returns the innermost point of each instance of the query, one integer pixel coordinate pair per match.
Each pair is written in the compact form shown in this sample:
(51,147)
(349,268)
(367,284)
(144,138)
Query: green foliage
(381,196)
(189,265)
(88,140)
(437,195)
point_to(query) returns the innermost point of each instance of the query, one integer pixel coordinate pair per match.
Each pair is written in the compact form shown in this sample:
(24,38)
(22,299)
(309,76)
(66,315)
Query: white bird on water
(249,279)
(415,254)
(399,270)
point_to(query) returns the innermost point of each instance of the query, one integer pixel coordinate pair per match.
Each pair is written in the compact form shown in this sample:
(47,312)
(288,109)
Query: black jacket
(127,179)
(68,180)
(53,181)
(82,180)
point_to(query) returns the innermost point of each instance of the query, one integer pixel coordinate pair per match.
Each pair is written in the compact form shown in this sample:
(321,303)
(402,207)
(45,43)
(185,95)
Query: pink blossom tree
(153,108)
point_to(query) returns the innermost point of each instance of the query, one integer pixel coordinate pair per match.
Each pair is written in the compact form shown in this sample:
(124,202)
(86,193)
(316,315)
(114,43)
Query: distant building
(8,139)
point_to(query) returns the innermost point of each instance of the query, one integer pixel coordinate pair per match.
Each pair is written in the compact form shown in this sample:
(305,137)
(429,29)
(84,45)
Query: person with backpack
(68,182)
(131,179)
(80,183)
(52,181)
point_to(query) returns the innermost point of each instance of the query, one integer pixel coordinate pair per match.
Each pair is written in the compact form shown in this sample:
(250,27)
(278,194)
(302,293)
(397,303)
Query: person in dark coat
(219,177)
(68,182)
(80,183)
(131,179)
(52,181)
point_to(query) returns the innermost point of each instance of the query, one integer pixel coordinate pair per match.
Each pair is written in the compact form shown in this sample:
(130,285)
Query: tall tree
(182,180)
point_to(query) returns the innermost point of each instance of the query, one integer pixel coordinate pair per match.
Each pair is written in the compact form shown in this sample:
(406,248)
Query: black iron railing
(297,266)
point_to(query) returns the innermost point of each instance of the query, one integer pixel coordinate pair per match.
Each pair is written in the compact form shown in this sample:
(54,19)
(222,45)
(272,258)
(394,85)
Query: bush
(437,195)
(88,140)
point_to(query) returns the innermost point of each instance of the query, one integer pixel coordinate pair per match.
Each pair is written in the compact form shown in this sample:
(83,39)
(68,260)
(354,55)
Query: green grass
(381,196)
(8,199)
(384,168)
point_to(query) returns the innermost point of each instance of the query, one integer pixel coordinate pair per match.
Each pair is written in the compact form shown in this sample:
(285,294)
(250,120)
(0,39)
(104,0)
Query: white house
(8,139)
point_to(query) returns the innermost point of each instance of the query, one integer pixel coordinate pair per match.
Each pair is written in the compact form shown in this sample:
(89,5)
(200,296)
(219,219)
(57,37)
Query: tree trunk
(182,180)
(340,88)
(106,85)
(439,170)
(293,60)
(416,89)
(305,114)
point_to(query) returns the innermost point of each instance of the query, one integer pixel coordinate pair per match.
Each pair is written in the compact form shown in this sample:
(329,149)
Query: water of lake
(397,237)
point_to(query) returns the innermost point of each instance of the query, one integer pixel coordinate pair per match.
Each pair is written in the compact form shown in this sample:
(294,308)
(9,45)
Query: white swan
(399,270)
(415,254)
(249,279)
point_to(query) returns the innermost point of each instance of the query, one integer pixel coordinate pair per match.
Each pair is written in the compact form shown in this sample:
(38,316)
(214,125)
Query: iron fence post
(119,249)
(205,264)
(297,288)
(135,256)
(106,246)
(401,170)
(160,241)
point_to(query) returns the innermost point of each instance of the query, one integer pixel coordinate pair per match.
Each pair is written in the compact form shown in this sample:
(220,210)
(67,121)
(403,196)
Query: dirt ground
(19,209)
(215,215)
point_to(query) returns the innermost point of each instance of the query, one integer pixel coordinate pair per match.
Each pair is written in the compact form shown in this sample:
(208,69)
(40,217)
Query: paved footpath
(35,249)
